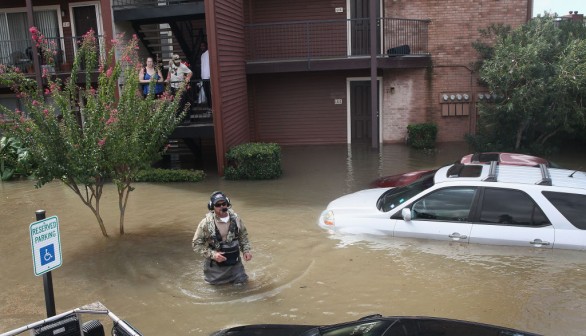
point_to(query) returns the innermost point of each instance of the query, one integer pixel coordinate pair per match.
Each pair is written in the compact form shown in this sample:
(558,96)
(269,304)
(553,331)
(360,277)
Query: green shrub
(14,159)
(169,175)
(422,135)
(253,161)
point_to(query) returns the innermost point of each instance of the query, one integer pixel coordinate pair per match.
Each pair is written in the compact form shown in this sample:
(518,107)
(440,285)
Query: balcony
(19,54)
(335,44)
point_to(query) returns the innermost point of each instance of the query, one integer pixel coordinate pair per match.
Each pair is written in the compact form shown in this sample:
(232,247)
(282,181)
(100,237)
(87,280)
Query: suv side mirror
(406,212)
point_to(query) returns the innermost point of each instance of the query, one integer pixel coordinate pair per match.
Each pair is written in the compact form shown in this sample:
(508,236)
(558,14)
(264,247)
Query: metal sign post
(46,249)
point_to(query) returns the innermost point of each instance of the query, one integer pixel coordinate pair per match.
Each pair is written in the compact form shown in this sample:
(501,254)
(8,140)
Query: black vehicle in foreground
(378,325)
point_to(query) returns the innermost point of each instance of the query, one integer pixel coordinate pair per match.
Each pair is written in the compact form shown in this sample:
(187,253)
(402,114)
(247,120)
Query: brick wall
(412,96)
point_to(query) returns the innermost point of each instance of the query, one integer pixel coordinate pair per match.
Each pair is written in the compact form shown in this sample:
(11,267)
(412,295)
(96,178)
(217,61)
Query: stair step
(157,37)
(173,44)
(154,30)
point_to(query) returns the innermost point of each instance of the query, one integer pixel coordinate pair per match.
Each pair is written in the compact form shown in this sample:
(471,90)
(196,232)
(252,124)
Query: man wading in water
(219,238)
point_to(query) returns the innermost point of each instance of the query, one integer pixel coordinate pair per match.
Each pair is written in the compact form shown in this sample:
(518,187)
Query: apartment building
(303,72)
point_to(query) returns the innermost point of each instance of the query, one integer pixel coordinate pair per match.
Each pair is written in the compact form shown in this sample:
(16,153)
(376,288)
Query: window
(359,328)
(449,204)
(397,196)
(15,39)
(510,207)
(570,205)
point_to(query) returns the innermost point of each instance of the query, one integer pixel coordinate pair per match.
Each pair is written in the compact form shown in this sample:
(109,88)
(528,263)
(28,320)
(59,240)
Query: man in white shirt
(205,72)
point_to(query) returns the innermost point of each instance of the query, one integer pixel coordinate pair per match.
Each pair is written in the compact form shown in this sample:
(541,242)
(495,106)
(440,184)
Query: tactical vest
(230,247)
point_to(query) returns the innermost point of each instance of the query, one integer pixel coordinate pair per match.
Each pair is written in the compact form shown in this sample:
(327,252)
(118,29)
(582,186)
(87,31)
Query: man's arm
(243,237)
(200,241)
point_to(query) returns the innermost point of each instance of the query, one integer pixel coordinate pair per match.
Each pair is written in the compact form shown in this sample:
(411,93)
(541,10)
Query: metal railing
(128,4)
(333,39)
(18,53)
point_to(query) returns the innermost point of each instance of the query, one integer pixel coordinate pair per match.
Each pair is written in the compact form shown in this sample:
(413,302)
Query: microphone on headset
(224,209)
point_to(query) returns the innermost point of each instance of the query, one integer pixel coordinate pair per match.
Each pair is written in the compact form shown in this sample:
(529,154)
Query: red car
(512,159)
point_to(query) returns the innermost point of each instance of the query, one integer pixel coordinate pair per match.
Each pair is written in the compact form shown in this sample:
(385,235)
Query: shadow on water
(299,273)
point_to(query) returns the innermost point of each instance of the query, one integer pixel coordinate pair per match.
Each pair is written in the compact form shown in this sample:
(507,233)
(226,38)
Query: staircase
(163,39)
(159,40)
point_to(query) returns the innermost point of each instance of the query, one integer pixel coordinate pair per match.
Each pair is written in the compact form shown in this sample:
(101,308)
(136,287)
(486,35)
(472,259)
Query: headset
(211,202)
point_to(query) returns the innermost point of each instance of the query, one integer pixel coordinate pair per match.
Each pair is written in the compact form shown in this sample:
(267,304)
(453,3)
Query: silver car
(538,207)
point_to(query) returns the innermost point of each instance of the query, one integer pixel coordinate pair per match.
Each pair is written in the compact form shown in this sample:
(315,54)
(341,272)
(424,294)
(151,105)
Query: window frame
(479,206)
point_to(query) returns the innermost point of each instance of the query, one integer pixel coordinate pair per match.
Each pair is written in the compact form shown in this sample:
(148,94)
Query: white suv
(489,204)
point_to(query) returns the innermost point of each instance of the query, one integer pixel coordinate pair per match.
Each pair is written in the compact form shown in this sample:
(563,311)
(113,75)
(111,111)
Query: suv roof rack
(492,173)
(545,177)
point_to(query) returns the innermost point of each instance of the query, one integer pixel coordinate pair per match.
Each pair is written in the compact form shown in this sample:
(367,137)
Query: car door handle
(457,236)
(538,242)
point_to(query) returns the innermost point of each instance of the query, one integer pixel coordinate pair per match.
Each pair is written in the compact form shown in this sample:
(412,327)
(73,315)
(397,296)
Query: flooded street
(298,274)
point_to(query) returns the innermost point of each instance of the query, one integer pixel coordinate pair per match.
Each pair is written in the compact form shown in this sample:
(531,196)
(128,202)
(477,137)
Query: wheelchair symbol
(47,254)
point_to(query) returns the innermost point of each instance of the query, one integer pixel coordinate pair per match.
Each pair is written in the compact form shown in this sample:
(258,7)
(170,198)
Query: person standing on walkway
(205,72)
(220,238)
(148,74)
(179,74)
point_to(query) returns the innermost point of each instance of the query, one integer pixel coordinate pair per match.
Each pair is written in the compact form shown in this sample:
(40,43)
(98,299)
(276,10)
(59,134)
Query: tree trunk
(94,195)
(519,135)
(123,193)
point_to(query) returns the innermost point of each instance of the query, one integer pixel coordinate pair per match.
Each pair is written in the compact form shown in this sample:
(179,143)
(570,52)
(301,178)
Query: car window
(423,326)
(510,207)
(397,196)
(359,328)
(449,204)
(570,205)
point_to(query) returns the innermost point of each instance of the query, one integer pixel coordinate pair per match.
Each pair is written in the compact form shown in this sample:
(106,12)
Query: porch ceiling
(154,13)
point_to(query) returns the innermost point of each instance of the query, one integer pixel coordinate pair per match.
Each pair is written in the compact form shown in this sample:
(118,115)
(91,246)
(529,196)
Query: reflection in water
(299,273)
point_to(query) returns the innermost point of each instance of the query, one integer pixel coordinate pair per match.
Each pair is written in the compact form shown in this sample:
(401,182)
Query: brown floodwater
(299,273)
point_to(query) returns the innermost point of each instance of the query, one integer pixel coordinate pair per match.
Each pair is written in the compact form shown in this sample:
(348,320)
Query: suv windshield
(397,196)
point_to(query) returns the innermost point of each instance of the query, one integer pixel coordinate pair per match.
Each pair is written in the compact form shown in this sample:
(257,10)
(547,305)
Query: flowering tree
(84,132)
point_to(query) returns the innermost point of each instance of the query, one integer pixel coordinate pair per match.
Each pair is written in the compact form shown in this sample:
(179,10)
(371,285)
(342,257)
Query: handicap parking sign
(45,245)
(47,254)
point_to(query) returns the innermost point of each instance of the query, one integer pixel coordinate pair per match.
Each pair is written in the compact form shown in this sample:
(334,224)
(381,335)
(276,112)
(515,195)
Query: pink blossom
(109,72)
(102,142)
(46,112)
(36,103)
(47,91)
(112,120)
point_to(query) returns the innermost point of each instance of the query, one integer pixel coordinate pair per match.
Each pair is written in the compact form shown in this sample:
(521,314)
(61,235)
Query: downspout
(211,24)
(529,10)
(373,74)
(36,63)
(107,16)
